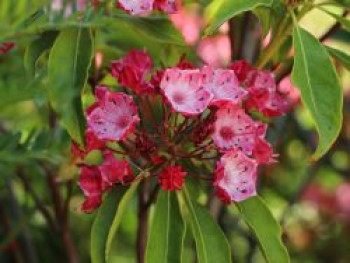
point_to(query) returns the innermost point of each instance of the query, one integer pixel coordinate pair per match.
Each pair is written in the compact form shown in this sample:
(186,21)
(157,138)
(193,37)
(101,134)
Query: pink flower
(136,7)
(167,6)
(91,184)
(242,69)
(264,97)
(115,171)
(131,71)
(157,77)
(189,23)
(342,197)
(113,116)
(185,92)
(236,176)
(291,92)
(224,86)
(172,178)
(233,128)
(215,51)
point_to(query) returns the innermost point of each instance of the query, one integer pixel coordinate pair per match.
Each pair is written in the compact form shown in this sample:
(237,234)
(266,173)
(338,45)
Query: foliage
(56,61)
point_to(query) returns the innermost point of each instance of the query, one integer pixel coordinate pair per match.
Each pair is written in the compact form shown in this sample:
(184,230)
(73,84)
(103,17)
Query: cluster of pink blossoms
(161,119)
(144,7)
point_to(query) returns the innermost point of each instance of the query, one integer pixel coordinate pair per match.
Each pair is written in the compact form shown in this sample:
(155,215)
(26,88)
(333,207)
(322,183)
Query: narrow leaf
(315,76)
(117,218)
(267,231)
(340,56)
(69,63)
(166,238)
(219,11)
(211,243)
(102,224)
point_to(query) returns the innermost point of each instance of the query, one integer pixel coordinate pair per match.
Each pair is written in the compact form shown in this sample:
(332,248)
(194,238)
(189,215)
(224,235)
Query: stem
(281,36)
(142,230)
(41,207)
(61,211)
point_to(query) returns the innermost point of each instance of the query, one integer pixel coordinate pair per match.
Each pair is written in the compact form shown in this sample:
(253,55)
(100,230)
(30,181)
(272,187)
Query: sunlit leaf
(315,76)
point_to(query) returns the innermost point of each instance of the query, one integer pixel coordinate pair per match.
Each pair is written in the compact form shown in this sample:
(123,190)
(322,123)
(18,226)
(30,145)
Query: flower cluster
(170,122)
(144,7)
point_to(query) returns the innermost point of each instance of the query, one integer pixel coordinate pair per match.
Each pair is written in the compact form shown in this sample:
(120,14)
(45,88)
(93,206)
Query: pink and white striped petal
(224,86)
(236,176)
(113,116)
(184,91)
(234,129)
(137,7)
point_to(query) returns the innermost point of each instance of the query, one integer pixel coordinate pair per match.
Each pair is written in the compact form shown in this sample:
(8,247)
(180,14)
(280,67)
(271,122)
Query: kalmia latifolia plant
(161,122)
(164,120)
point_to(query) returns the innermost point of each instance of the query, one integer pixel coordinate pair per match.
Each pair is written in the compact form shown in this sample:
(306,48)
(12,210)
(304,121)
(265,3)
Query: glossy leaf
(36,48)
(267,231)
(69,63)
(166,237)
(117,217)
(211,243)
(102,224)
(219,11)
(315,76)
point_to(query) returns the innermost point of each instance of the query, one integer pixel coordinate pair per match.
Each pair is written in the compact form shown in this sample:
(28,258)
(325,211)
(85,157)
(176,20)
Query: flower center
(123,122)
(226,133)
(178,98)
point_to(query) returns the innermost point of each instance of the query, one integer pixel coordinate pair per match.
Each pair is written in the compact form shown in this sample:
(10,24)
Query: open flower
(234,129)
(224,86)
(235,176)
(171,178)
(185,92)
(113,116)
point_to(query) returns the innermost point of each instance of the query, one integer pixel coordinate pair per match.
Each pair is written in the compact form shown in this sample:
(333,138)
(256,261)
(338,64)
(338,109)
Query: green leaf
(102,224)
(219,11)
(166,238)
(157,29)
(68,67)
(211,243)
(267,231)
(36,48)
(340,56)
(315,76)
(117,217)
